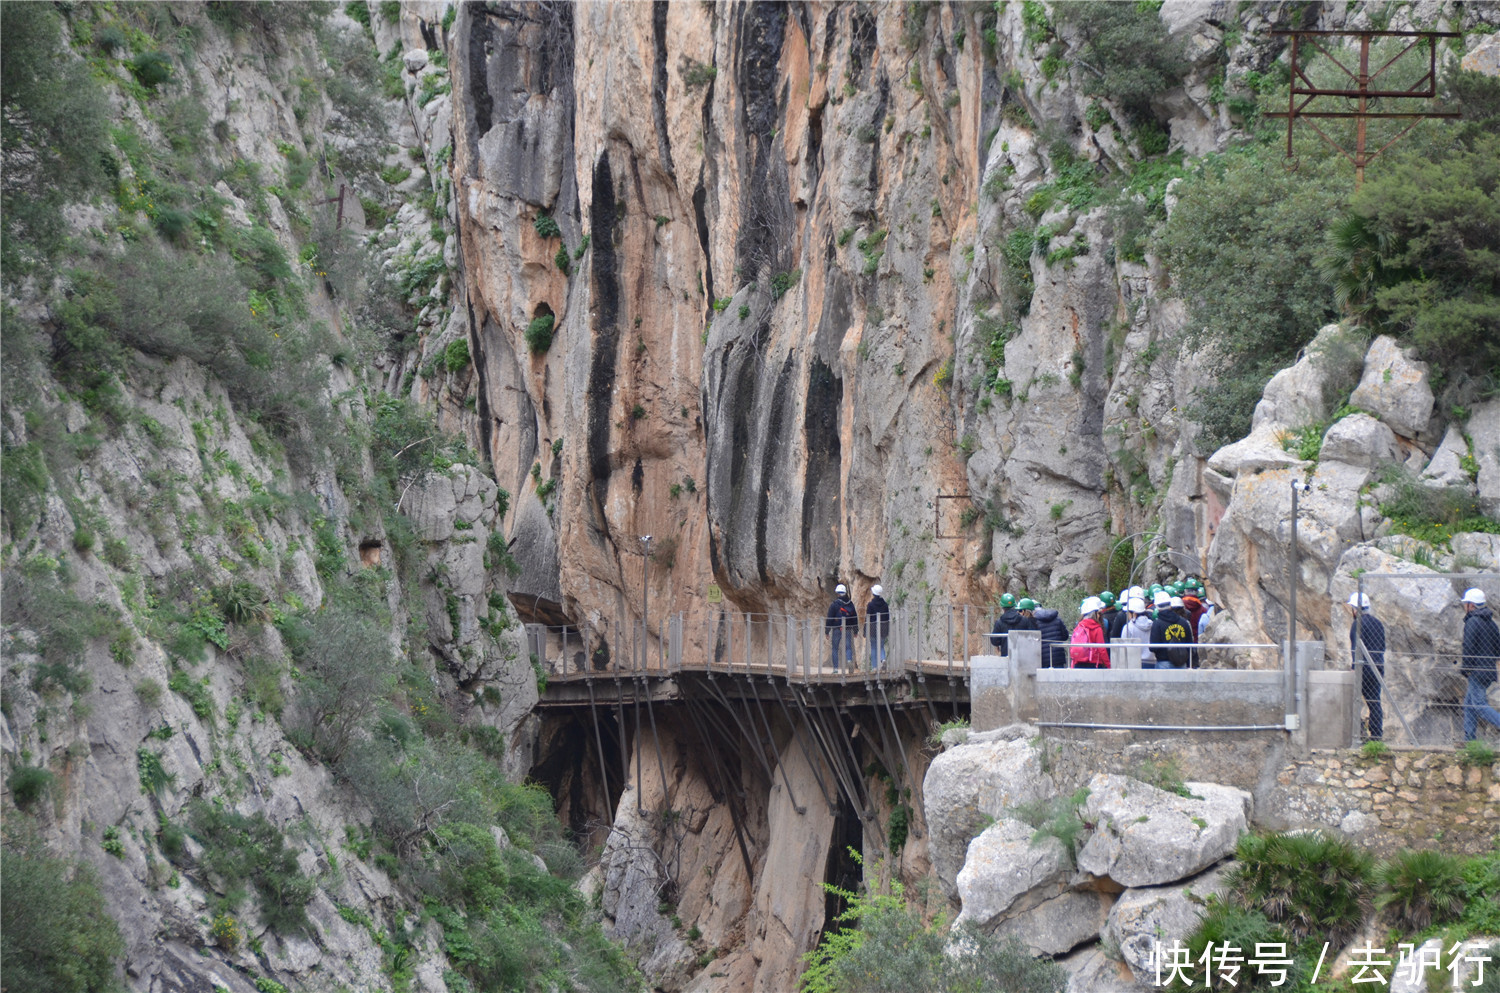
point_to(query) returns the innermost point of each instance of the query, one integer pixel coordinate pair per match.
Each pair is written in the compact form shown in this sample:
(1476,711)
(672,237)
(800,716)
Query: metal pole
(645,590)
(1289,678)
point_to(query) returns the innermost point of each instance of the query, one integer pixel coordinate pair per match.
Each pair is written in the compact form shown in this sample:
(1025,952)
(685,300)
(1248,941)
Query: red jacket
(1088,631)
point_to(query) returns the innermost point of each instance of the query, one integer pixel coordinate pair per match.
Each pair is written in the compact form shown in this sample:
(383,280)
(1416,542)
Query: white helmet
(877,590)
(1136,605)
(1137,592)
(1176,601)
(1163,598)
(1091,604)
(1475,596)
(840,588)
(1360,600)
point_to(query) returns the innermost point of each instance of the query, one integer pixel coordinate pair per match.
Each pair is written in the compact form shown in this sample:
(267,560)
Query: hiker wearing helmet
(1054,637)
(1108,614)
(1481,652)
(877,626)
(1138,629)
(1367,633)
(1010,619)
(843,621)
(1088,650)
(1170,634)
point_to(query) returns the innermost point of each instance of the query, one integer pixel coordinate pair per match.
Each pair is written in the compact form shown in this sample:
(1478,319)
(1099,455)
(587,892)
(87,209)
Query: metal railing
(936,639)
(943,636)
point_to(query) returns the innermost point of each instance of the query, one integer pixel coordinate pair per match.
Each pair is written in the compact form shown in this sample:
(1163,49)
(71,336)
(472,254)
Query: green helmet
(1026,603)
(1107,598)
(1007,600)
(1175,589)
(1155,588)
(1190,583)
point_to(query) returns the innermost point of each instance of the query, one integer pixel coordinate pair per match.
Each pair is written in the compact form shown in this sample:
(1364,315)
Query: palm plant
(1309,883)
(1421,888)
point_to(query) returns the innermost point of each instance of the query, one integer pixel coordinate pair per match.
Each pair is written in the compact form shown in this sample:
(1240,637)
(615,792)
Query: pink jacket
(1088,631)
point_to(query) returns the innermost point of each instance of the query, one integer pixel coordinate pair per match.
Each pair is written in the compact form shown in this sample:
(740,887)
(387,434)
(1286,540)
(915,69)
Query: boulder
(1485,57)
(1360,440)
(1142,918)
(1294,396)
(993,772)
(1145,836)
(1090,970)
(1003,865)
(1445,468)
(1060,924)
(1484,428)
(415,60)
(1395,388)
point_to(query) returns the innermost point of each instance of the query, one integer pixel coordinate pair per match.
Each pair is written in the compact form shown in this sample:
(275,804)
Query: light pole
(645,590)
(1294,574)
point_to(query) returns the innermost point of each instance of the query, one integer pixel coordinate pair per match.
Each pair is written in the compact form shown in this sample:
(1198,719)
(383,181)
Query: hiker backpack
(1176,638)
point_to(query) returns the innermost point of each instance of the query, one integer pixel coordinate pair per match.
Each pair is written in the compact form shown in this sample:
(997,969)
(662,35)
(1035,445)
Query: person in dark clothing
(1117,622)
(1170,628)
(1054,638)
(1109,617)
(843,622)
(1011,619)
(1365,629)
(877,626)
(1481,653)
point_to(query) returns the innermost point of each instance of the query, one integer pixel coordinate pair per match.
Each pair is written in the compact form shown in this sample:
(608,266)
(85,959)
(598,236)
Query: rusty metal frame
(1365,89)
(937,514)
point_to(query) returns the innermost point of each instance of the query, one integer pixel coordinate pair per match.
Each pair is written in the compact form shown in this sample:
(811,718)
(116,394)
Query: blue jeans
(1476,705)
(838,635)
(877,650)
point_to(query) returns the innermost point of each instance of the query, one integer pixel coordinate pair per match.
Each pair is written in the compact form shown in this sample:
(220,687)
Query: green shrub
(240,850)
(54,130)
(195,693)
(883,946)
(242,601)
(546,226)
(28,784)
(1226,923)
(1420,888)
(390,11)
(1056,817)
(154,777)
(783,281)
(348,670)
(539,334)
(456,355)
(1476,753)
(55,933)
(1126,53)
(37,596)
(1414,255)
(1312,884)
(358,11)
(1433,514)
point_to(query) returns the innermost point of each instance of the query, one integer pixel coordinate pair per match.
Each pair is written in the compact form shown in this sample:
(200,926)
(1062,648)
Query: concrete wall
(1316,709)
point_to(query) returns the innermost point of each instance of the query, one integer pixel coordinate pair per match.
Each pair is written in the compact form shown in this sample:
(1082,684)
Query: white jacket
(1138,630)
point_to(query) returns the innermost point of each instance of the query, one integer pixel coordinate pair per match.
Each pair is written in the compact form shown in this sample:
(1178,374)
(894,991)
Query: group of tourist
(1165,622)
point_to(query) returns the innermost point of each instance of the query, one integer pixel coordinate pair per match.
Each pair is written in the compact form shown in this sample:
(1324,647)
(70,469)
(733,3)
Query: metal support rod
(620,723)
(867,808)
(802,741)
(821,734)
(639,758)
(786,782)
(661,765)
(1289,679)
(734,814)
(896,732)
(745,733)
(599,744)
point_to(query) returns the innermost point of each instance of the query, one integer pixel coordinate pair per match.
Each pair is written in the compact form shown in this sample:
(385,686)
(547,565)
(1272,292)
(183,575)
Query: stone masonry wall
(1407,799)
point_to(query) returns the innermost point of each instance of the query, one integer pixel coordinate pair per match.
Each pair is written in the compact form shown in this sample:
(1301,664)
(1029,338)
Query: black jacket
(1167,618)
(1481,646)
(1116,626)
(1372,632)
(878,618)
(1054,638)
(841,614)
(1011,620)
